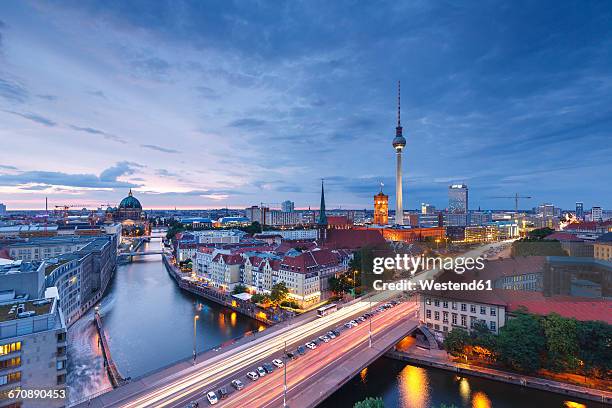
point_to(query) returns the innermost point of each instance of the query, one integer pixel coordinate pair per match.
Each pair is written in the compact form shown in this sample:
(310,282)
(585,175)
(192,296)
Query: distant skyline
(215,104)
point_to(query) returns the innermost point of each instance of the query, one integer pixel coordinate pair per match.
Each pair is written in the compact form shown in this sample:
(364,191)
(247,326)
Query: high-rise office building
(427,209)
(458,199)
(381,208)
(287,206)
(2,209)
(596,214)
(546,210)
(579,210)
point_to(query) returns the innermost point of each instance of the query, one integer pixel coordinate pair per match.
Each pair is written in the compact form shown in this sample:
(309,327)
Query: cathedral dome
(130,202)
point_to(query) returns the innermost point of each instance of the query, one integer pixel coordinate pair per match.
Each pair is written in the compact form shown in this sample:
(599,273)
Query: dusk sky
(214,104)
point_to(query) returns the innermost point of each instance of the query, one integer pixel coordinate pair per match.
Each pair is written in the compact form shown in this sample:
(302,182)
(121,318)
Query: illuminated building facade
(381,208)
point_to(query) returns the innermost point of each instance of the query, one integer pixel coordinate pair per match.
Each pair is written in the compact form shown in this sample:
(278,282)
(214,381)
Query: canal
(406,386)
(149,321)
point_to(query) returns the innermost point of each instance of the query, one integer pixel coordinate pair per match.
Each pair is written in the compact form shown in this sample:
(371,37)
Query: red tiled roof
(562,236)
(311,260)
(338,220)
(353,238)
(566,306)
(499,268)
(232,259)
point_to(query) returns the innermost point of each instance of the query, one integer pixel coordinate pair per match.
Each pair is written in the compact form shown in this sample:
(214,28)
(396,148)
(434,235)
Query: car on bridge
(252,375)
(301,350)
(311,345)
(237,384)
(268,367)
(212,398)
(222,393)
(261,371)
(277,362)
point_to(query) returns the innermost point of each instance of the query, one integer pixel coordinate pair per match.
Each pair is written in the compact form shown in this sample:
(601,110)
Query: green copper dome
(130,202)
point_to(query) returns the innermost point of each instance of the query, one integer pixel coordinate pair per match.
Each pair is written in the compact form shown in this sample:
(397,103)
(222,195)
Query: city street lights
(370,329)
(285,379)
(195,318)
(355,283)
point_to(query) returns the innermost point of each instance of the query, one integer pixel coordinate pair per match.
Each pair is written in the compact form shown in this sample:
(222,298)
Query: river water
(407,386)
(149,322)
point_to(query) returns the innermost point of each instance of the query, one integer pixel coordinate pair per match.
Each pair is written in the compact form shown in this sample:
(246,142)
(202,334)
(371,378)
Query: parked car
(361,319)
(301,350)
(277,362)
(331,334)
(237,384)
(311,345)
(193,404)
(291,355)
(261,371)
(324,339)
(353,322)
(252,375)
(348,325)
(268,367)
(212,398)
(336,332)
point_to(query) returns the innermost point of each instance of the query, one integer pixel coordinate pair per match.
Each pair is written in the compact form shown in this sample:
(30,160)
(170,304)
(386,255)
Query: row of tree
(530,342)
(278,295)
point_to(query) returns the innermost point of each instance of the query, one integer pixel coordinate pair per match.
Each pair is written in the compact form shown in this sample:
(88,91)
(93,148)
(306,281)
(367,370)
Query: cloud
(47,97)
(35,118)
(248,123)
(12,91)
(102,133)
(108,179)
(166,173)
(207,93)
(159,148)
(4,166)
(98,93)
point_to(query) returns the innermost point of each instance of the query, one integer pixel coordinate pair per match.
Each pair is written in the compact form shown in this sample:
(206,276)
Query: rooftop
(24,309)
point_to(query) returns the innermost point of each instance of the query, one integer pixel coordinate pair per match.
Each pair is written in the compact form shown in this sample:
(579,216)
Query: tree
(260,298)
(370,403)
(540,233)
(279,292)
(456,341)
(239,288)
(561,342)
(521,342)
(336,285)
(595,347)
(481,336)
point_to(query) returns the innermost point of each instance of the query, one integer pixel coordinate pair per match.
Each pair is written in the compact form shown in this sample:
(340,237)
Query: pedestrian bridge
(141,253)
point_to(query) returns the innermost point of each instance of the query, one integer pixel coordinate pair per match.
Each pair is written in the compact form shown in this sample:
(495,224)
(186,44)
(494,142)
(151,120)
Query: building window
(436,315)
(437,326)
(483,310)
(492,325)
(10,348)
(454,305)
(10,378)
(472,309)
(444,317)
(493,311)
(428,314)
(427,301)
(437,302)
(463,307)
(11,362)
(445,304)
(454,317)
(464,320)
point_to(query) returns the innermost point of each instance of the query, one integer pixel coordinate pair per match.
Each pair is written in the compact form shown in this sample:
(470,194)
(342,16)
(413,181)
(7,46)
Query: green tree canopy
(456,341)
(521,342)
(239,288)
(370,403)
(595,347)
(561,342)
(279,292)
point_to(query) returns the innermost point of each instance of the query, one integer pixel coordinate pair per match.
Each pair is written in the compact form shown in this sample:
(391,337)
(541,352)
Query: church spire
(322,215)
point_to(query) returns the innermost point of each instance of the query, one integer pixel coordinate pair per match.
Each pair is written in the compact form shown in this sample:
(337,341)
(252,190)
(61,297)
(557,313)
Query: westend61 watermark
(412,264)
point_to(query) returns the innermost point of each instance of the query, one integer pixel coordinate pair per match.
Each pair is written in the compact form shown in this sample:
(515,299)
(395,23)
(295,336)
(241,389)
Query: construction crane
(65,208)
(516,198)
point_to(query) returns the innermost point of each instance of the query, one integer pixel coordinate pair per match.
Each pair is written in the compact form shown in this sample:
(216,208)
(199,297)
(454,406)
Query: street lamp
(355,283)
(195,318)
